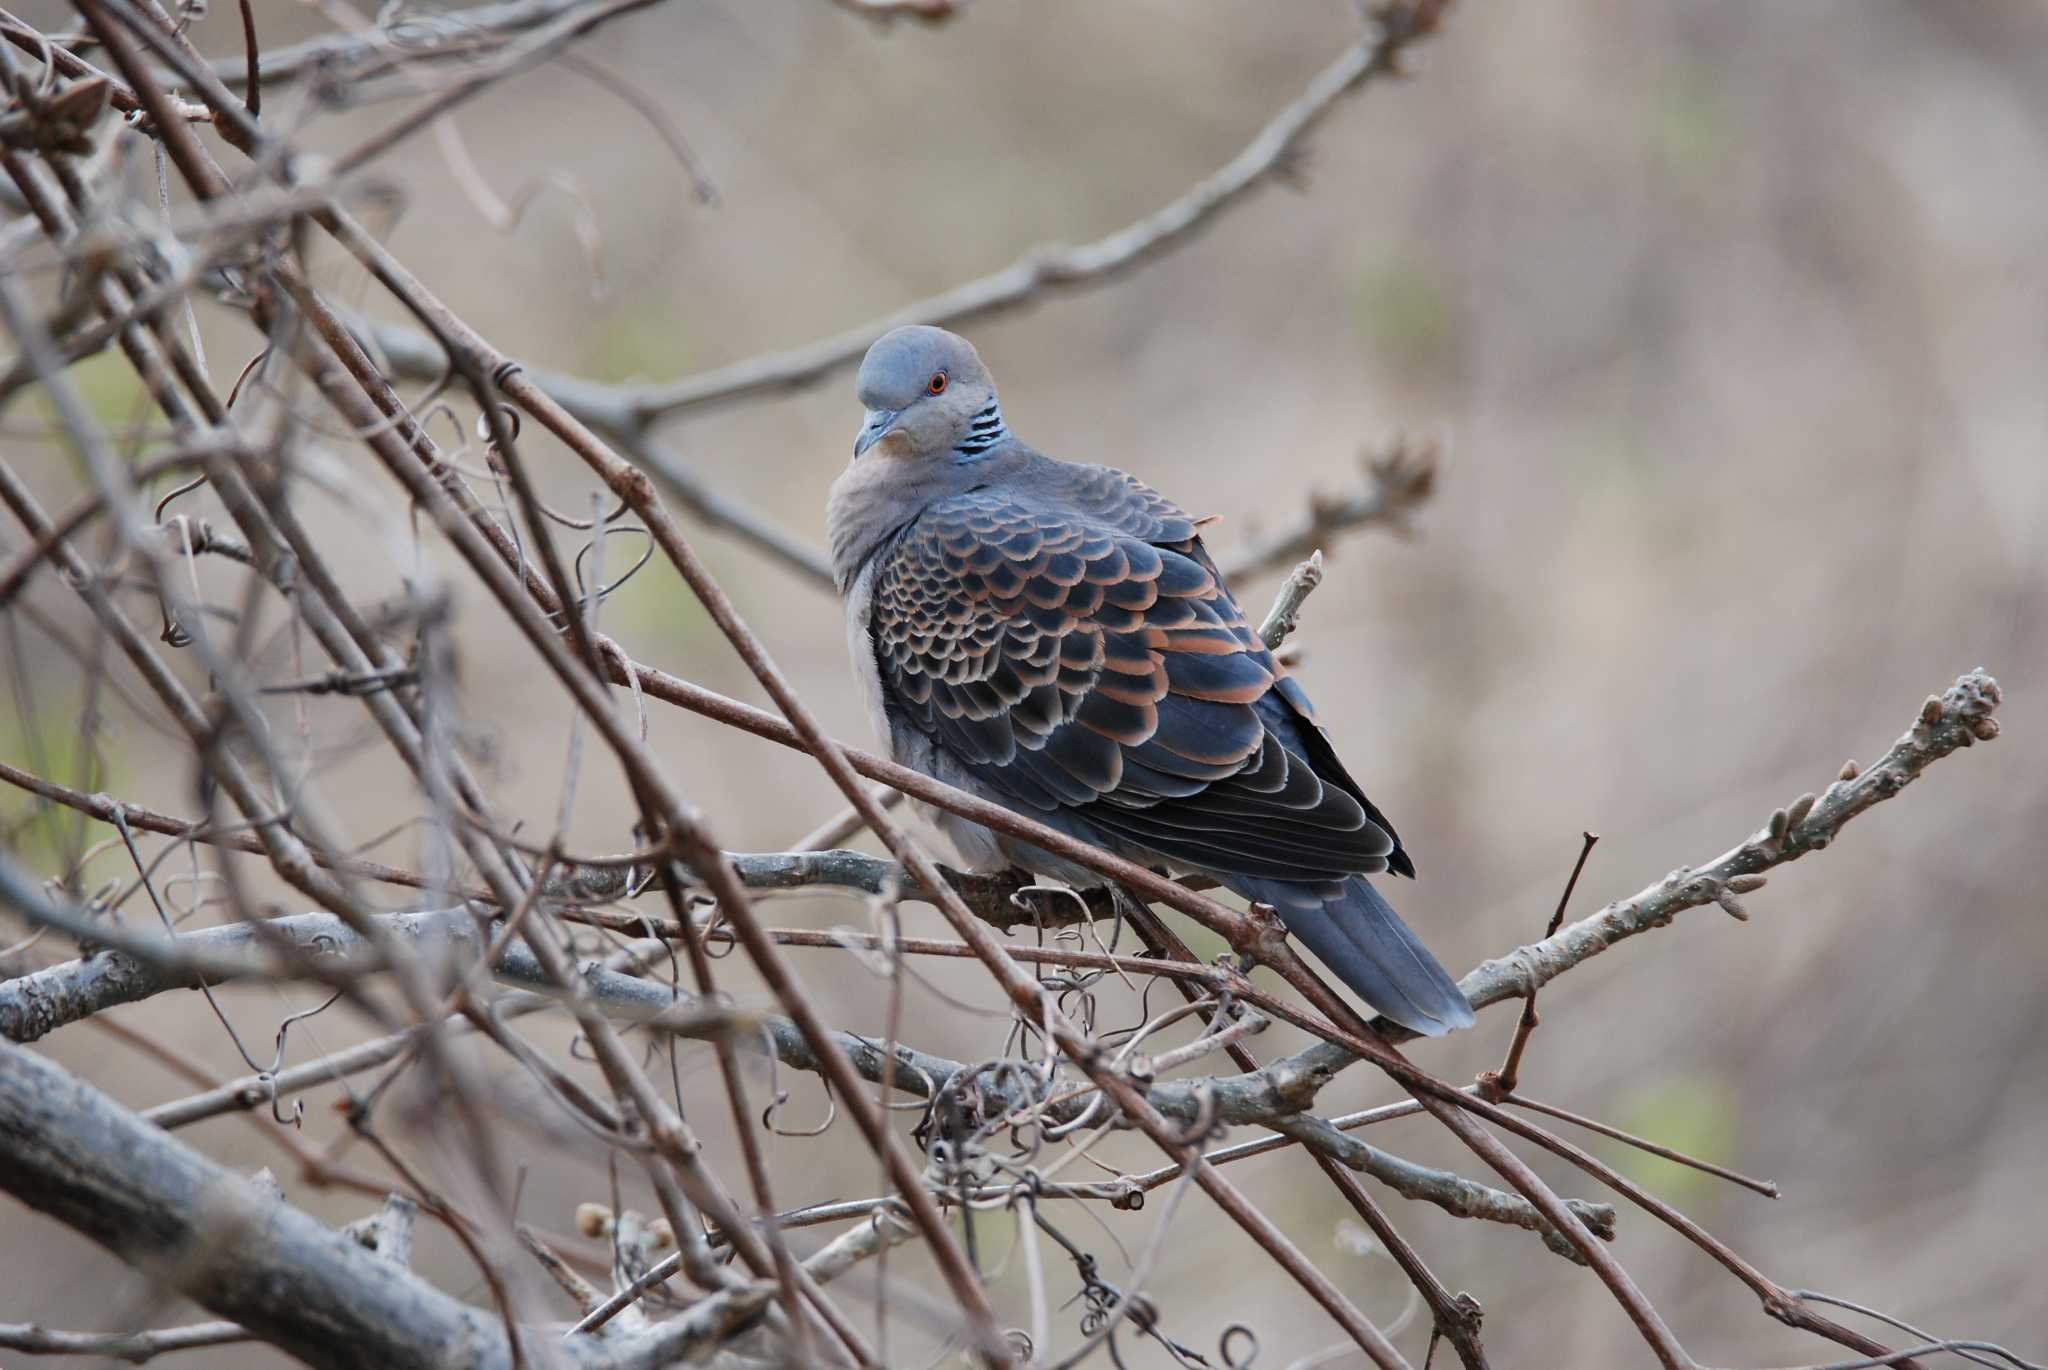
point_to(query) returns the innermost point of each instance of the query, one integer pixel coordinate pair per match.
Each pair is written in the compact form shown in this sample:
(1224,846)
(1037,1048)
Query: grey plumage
(1054,637)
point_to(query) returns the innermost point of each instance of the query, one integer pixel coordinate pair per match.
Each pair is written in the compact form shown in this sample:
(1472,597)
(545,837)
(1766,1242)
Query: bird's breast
(860,645)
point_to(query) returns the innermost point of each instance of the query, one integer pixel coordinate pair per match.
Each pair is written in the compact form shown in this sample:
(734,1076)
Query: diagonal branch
(1947,723)
(1272,152)
(625,413)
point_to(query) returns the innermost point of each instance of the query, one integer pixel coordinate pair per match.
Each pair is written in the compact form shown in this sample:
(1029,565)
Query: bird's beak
(871,432)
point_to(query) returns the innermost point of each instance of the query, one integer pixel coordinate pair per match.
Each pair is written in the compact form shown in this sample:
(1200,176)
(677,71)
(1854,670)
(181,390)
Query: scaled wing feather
(1073,646)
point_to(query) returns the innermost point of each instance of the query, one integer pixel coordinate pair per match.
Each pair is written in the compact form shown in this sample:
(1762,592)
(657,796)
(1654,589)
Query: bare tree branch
(1055,267)
(625,413)
(1398,479)
(269,622)
(228,1245)
(133,1347)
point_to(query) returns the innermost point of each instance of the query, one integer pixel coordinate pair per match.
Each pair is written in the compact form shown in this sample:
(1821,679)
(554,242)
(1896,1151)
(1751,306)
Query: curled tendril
(268,1082)
(717,939)
(779,1096)
(514,422)
(603,592)
(248,370)
(177,493)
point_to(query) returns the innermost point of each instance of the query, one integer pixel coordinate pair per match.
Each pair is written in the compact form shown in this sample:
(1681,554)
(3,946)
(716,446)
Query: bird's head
(928,397)
(933,430)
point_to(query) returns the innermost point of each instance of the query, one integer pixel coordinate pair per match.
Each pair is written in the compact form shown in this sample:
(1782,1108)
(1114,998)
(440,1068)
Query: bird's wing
(1071,644)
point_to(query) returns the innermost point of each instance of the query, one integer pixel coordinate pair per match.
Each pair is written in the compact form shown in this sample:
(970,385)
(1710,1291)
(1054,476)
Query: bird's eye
(937,384)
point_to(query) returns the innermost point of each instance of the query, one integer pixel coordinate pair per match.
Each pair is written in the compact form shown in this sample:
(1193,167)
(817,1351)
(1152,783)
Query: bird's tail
(1363,941)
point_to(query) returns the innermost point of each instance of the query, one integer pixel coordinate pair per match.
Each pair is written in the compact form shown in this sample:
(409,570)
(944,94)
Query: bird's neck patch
(984,432)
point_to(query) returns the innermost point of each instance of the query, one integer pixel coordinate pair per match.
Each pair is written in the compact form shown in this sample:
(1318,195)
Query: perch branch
(1956,719)
(36,1004)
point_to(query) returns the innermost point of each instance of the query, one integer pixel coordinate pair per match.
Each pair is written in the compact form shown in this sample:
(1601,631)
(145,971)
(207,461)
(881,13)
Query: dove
(1054,637)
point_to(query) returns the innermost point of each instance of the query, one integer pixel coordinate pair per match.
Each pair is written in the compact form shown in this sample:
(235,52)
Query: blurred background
(1731,320)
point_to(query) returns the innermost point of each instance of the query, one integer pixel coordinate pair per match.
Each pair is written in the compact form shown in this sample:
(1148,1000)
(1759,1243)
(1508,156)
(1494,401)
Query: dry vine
(509,928)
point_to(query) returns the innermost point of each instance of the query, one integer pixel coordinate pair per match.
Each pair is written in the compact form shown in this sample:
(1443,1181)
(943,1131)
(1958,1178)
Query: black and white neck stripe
(984,432)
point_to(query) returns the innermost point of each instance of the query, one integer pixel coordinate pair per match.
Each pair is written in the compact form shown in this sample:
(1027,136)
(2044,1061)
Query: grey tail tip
(1362,941)
(1451,1018)
(1435,1015)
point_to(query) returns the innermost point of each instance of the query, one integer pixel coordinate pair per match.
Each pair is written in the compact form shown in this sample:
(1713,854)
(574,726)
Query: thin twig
(1503,1081)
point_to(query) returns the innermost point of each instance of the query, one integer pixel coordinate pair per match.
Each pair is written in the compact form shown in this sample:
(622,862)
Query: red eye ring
(937,384)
